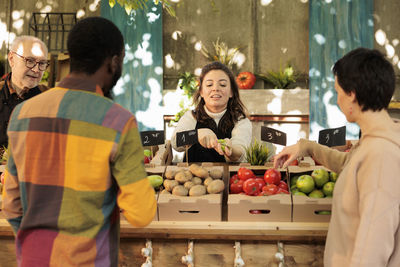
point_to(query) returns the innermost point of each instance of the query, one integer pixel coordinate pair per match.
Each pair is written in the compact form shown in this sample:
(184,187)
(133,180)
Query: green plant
(259,153)
(130,5)
(281,79)
(221,53)
(189,84)
(4,155)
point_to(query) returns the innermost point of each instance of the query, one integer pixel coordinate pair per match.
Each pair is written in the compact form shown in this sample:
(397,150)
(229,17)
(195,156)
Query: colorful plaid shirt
(75,160)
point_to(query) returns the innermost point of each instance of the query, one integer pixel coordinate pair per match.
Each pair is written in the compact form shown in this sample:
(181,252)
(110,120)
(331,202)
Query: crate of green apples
(311,188)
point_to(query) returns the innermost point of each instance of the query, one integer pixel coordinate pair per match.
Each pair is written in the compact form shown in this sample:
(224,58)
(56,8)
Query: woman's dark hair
(369,75)
(91,41)
(235,108)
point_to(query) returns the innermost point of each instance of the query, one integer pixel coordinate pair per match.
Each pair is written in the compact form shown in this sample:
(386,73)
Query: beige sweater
(364,227)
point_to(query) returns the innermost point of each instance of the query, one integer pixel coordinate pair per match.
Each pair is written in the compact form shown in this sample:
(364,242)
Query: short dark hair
(235,109)
(368,74)
(91,41)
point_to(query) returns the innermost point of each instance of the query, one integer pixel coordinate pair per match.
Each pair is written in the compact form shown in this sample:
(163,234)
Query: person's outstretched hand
(286,156)
(207,138)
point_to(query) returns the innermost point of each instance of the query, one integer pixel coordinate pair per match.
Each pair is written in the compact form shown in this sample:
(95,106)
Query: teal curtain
(336,27)
(140,87)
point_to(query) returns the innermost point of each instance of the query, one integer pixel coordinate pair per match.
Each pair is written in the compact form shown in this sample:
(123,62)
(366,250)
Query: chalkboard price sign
(273,136)
(333,137)
(152,138)
(186,138)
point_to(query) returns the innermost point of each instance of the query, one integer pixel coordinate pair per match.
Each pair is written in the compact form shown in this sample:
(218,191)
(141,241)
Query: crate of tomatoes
(258,193)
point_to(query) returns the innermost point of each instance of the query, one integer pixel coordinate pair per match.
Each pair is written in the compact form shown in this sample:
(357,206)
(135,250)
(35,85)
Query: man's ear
(10,58)
(114,63)
(353,96)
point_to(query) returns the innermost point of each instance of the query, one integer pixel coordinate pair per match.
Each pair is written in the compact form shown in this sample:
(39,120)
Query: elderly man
(28,61)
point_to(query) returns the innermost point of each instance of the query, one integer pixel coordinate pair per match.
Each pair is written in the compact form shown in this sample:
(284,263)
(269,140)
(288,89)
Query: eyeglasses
(30,63)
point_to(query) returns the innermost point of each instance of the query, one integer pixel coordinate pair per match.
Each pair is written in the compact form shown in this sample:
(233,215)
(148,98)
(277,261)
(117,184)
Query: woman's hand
(286,156)
(207,138)
(224,147)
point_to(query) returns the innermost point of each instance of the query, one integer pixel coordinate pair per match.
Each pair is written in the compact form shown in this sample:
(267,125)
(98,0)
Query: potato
(197,180)
(197,190)
(216,173)
(189,174)
(215,187)
(208,180)
(198,171)
(182,177)
(170,184)
(188,185)
(170,174)
(180,190)
(165,191)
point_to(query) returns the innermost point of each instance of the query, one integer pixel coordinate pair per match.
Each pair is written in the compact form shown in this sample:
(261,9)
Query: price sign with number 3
(273,136)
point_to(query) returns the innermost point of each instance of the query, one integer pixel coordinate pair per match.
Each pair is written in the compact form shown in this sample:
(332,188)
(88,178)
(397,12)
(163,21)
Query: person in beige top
(364,227)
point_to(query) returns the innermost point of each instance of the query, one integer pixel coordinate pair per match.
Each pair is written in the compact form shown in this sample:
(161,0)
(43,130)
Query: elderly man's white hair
(24,38)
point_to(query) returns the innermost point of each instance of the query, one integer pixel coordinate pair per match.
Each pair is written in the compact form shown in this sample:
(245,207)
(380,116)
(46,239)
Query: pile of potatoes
(196,181)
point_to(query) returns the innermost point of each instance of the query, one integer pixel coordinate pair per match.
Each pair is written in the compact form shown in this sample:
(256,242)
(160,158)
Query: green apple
(294,187)
(328,188)
(147,153)
(298,193)
(333,176)
(320,177)
(293,180)
(316,194)
(305,183)
(155,180)
(324,212)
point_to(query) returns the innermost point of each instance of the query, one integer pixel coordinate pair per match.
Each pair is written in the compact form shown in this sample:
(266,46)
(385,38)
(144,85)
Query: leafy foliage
(221,53)
(189,84)
(130,5)
(258,153)
(281,79)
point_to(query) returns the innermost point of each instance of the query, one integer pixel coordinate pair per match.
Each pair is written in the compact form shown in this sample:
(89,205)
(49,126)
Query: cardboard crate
(200,208)
(275,208)
(307,209)
(156,170)
(188,208)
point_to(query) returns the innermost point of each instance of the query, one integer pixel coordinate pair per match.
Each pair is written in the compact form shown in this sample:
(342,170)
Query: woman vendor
(218,115)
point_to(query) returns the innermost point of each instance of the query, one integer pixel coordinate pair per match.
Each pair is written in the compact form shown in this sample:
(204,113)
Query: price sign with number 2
(152,138)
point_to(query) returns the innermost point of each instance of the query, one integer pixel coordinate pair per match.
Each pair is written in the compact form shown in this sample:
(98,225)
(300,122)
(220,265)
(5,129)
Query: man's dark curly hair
(91,41)
(235,109)
(368,74)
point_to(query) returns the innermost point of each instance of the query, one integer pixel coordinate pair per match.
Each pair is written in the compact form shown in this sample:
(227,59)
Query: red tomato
(233,178)
(244,173)
(255,211)
(246,80)
(282,191)
(283,185)
(270,189)
(260,182)
(272,176)
(236,187)
(251,187)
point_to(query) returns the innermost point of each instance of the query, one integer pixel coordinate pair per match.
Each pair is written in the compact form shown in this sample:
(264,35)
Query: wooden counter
(213,243)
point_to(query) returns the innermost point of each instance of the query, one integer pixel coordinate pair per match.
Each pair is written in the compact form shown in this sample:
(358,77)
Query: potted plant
(189,84)
(221,53)
(281,79)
